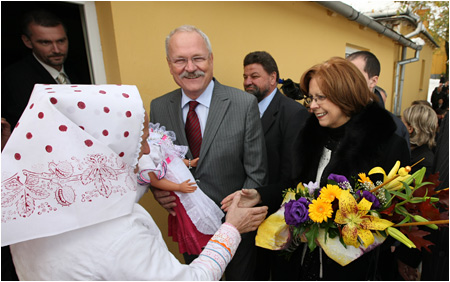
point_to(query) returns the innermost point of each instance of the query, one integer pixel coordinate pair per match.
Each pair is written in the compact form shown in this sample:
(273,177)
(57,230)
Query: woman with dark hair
(347,133)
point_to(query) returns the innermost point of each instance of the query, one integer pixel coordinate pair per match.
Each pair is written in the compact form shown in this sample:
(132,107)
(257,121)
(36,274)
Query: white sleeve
(142,254)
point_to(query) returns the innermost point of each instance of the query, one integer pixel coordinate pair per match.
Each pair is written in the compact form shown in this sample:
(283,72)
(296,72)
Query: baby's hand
(187,187)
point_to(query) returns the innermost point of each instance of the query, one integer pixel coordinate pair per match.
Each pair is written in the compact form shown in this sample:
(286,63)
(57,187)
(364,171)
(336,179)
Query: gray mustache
(194,74)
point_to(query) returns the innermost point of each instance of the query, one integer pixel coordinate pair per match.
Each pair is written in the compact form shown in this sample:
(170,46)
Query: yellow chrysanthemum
(329,193)
(320,210)
(364,178)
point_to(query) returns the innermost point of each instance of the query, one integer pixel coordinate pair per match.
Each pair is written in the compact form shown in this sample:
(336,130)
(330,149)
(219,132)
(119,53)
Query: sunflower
(329,193)
(320,210)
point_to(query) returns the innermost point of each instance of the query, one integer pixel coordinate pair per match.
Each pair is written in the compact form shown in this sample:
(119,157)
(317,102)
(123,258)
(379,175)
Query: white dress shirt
(202,109)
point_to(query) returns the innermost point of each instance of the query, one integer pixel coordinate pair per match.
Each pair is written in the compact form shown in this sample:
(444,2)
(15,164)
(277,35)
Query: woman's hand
(243,218)
(249,198)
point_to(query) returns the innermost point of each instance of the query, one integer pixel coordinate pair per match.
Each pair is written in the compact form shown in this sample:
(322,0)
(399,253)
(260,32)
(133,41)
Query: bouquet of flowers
(347,221)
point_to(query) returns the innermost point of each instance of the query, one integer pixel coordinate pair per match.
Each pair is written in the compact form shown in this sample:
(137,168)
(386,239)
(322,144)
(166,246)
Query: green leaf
(419,175)
(311,236)
(399,194)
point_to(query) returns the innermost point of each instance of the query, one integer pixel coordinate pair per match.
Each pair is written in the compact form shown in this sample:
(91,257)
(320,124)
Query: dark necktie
(193,131)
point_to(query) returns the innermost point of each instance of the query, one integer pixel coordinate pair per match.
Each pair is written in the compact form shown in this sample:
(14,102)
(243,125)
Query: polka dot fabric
(73,151)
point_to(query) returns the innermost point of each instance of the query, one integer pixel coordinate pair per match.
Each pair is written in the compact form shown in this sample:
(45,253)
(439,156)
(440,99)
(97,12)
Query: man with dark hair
(369,65)
(45,35)
(282,119)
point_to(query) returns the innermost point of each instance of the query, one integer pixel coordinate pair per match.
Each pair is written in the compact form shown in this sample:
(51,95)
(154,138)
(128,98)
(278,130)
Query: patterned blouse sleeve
(219,251)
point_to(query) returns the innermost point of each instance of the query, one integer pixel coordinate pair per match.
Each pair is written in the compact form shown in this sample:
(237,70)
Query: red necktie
(193,131)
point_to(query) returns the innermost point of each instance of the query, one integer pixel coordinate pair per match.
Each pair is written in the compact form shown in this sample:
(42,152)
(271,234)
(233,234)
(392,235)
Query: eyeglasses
(182,62)
(319,99)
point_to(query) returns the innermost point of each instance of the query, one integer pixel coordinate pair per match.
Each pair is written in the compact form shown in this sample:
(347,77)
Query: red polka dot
(17,124)
(105,132)
(77,91)
(29,135)
(121,154)
(102,92)
(48,148)
(128,114)
(63,128)
(41,115)
(88,143)
(32,105)
(81,105)
(53,100)
(51,92)
(49,88)
(125,95)
(74,86)
(82,127)
(17,156)
(126,133)
(106,109)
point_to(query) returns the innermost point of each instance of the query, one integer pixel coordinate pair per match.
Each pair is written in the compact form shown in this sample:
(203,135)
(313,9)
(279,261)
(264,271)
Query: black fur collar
(356,150)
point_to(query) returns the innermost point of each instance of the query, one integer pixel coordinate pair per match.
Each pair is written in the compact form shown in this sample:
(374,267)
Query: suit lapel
(270,115)
(219,106)
(46,77)
(176,119)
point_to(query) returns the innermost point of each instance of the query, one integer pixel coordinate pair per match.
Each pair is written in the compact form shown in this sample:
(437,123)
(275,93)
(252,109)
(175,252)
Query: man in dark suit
(282,119)
(370,67)
(45,35)
(232,153)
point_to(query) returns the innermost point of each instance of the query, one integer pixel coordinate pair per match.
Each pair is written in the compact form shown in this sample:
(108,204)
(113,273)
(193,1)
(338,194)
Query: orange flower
(329,193)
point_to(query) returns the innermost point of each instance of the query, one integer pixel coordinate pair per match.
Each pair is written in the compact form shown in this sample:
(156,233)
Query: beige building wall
(439,65)
(297,34)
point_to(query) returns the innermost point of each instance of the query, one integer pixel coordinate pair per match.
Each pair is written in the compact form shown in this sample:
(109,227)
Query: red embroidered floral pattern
(97,174)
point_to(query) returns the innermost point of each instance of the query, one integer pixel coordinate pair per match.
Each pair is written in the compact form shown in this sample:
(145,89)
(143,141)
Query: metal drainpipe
(399,82)
(352,14)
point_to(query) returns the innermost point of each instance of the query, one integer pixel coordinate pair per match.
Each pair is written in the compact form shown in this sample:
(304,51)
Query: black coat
(18,81)
(282,122)
(367,140)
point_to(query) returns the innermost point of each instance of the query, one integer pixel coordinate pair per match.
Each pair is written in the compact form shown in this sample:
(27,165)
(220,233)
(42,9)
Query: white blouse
(126,248)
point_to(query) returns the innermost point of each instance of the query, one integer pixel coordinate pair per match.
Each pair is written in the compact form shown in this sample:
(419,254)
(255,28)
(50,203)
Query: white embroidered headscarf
(70,160)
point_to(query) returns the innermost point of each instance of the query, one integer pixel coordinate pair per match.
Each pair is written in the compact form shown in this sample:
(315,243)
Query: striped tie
(61,78)
(193,131)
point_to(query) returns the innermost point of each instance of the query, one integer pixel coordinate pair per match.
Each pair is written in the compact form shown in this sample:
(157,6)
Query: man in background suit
(282,119)
(370,67)
(232,153)
(45,35)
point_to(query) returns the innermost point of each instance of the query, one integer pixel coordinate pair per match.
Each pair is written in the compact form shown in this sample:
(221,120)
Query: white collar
(264,104)
(204,99)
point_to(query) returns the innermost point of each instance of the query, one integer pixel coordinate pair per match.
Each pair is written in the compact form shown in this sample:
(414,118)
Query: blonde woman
(422,123)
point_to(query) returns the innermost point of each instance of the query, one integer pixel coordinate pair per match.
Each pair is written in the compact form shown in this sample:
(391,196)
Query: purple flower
(312,186)
(370,197)
(296,212)
(341,180)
